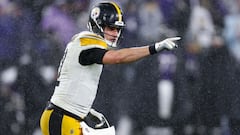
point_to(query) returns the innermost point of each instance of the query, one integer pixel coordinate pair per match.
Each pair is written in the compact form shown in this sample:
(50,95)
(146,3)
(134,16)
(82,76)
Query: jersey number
(61,63)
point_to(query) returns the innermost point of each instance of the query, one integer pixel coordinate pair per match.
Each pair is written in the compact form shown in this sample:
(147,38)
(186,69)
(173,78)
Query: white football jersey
(78,83)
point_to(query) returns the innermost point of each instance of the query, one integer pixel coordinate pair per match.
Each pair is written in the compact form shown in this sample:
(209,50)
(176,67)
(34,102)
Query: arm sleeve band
(152,49)
(91,56)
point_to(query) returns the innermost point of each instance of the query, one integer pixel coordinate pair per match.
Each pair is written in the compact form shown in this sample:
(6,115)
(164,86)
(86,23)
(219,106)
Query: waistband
(51,106)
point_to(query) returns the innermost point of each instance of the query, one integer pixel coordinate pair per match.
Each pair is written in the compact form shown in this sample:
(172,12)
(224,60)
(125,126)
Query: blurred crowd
(194,90)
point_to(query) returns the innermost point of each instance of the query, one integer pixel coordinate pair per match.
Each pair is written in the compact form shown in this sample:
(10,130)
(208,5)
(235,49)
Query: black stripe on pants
(55,123)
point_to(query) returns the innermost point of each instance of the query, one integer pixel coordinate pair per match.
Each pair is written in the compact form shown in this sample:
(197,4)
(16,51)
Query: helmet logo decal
(95,13)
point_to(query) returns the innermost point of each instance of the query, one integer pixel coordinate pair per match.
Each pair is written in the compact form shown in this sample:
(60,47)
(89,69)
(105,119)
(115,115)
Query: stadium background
(200,79)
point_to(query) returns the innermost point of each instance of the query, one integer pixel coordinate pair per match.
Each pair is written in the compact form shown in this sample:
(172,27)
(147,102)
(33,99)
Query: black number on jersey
(61,63)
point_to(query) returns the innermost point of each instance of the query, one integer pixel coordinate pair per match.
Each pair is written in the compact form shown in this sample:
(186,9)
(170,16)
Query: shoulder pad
(91,39)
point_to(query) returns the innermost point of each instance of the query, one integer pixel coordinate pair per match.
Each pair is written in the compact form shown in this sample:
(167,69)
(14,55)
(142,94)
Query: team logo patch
(95,13)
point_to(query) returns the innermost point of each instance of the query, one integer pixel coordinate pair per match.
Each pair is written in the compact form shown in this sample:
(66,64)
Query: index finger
(174,38)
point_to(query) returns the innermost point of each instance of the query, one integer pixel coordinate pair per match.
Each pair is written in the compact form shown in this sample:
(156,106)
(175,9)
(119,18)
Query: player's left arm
(128,55)
(125,55)
(103,56)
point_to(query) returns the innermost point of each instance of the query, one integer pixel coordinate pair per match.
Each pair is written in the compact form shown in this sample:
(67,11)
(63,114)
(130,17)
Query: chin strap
(114,44)
(111,44)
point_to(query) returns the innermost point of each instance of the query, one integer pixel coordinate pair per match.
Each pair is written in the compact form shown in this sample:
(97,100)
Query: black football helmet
(106,14)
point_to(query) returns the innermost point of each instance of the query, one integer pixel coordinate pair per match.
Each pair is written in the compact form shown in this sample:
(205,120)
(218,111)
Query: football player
(81,66)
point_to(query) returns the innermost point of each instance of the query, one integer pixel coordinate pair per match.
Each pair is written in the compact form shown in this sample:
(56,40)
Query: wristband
(152,49)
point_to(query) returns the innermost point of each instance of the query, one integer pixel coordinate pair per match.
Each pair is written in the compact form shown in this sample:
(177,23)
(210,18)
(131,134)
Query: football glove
(166,44)
(99,116)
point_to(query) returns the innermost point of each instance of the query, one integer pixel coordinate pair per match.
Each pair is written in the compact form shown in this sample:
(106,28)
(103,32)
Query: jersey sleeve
(91,56)
(93,48)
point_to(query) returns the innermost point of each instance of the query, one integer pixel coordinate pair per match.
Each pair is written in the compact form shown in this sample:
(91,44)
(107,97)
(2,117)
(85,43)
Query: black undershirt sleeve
(91,56)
